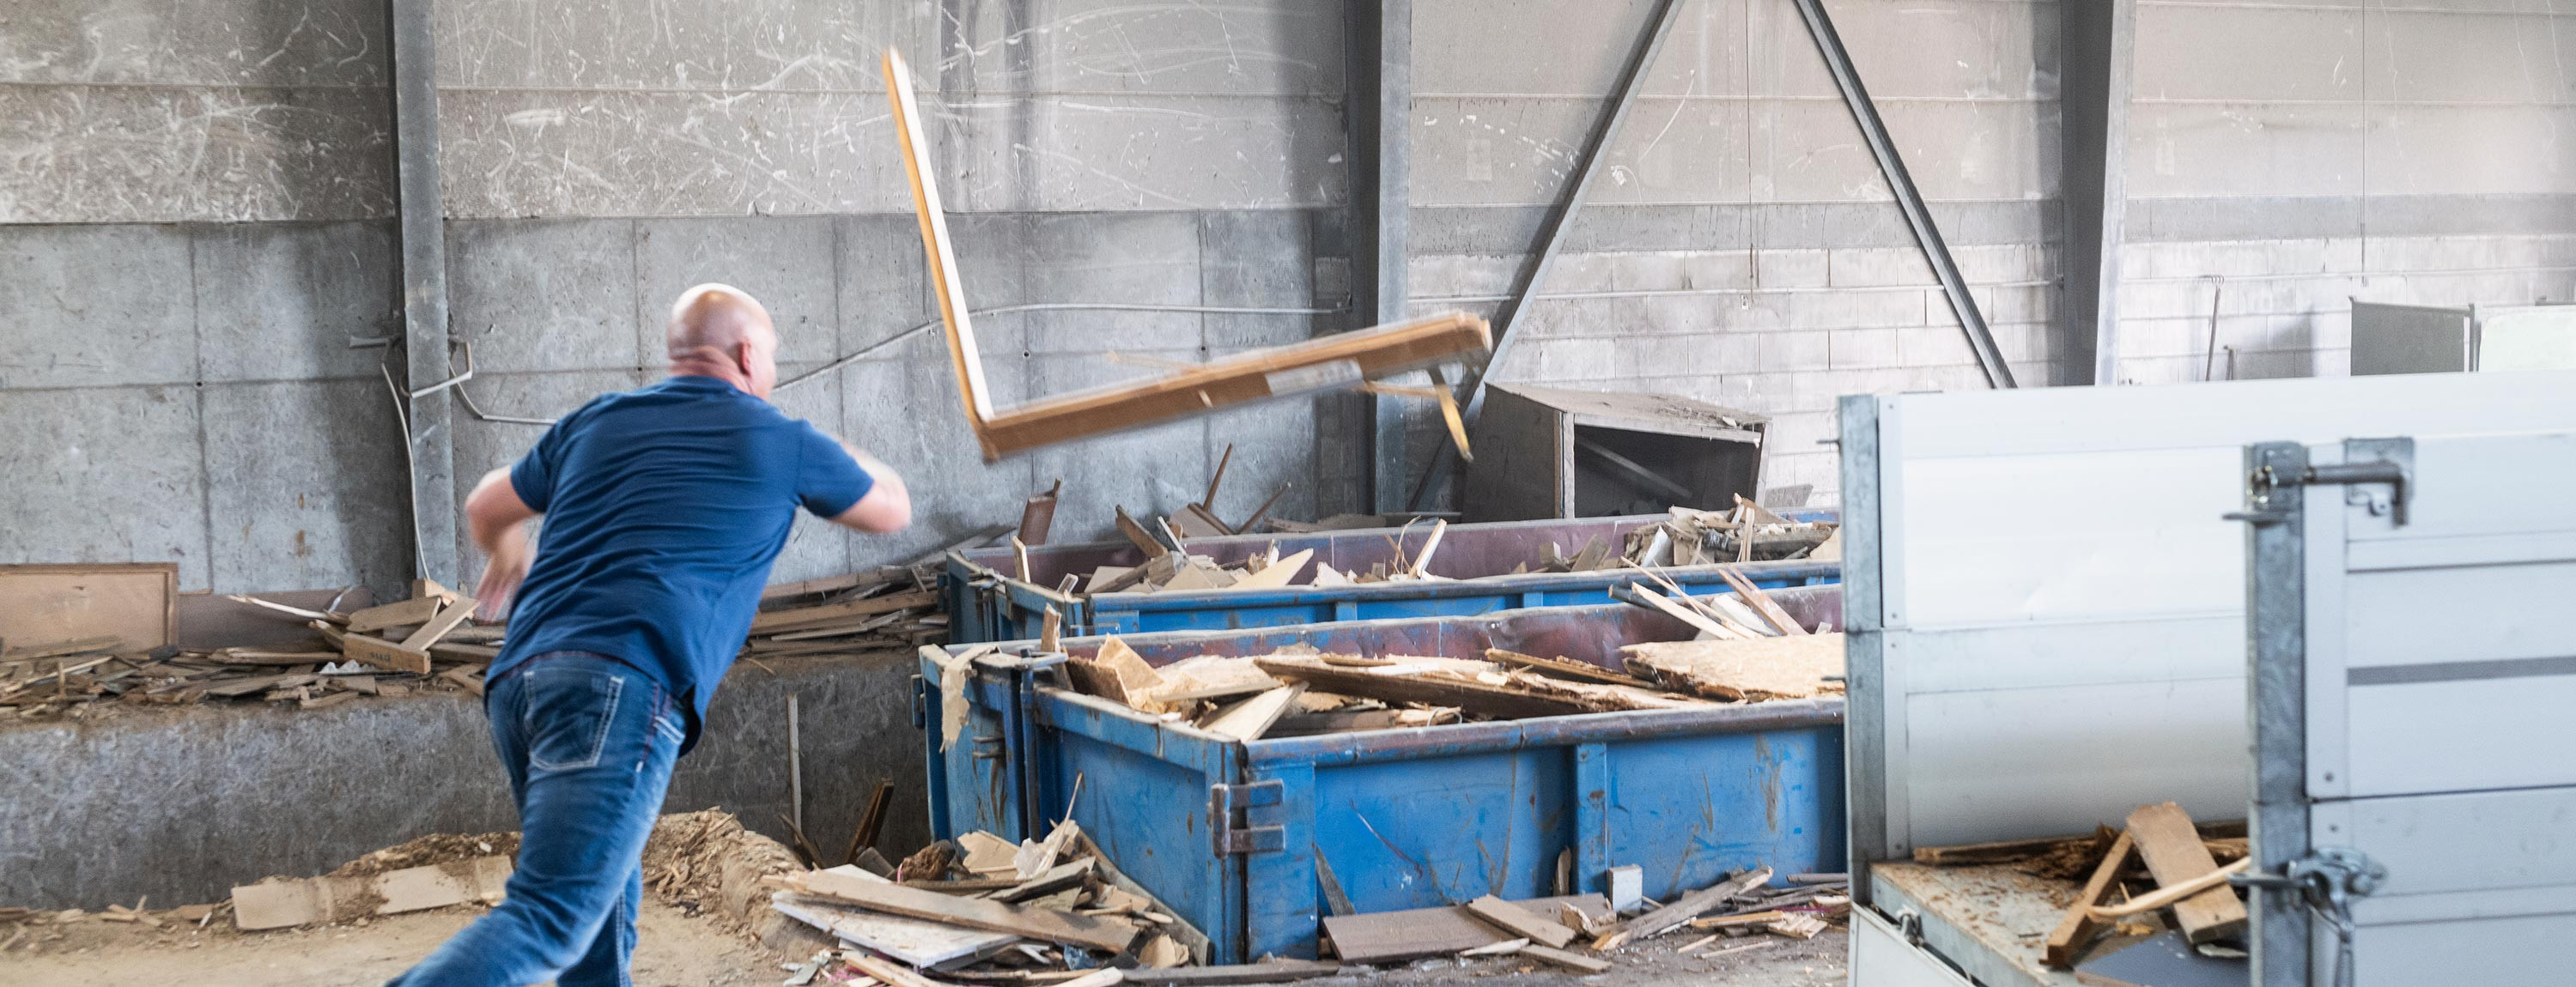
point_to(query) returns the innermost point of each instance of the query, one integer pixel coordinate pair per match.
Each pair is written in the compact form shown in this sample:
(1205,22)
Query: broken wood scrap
(1248,719)
(1576,962)
(1705,623)
(1564,668)
(1116,673)
(1272,971)
(1519,921)
(1091,932)
(1759,669)
(278,904)
(1412,934)
(2173,853)
(1408,683)
(2077,929)
(1761,602)
(798,618)
(1684,909)
(914,941)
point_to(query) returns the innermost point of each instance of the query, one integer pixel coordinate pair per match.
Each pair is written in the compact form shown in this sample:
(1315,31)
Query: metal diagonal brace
(1891,165)
(1551,237)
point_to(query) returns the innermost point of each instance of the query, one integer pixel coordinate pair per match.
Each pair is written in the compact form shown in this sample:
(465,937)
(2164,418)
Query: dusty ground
(682,951)
(676,951)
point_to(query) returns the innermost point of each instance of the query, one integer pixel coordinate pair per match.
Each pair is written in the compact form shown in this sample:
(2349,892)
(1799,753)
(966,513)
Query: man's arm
(887,507)
(498,521)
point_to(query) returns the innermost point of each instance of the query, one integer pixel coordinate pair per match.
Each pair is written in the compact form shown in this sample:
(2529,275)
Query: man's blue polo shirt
(664,507)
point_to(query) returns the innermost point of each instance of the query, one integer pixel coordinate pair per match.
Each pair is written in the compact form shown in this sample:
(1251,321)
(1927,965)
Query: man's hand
(498,520)
(511,553)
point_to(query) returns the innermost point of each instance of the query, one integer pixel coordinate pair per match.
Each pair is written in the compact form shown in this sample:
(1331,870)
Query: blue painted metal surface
(985,604)
(1415,817)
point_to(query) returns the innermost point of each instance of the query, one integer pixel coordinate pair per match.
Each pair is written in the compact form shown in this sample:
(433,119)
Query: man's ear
(743,357)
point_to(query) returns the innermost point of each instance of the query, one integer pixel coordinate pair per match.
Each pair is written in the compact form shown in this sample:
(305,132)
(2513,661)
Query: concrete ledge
(183,804)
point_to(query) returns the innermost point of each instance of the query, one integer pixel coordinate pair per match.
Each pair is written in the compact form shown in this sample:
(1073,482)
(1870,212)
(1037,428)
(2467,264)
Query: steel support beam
(2097,43)
(1379,62)
(424,289)
(1891,165)
(1552,231)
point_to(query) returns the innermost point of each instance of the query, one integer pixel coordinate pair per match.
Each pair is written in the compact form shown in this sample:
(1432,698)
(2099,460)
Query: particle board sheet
(45,604)
(2063,553)
(1991,920)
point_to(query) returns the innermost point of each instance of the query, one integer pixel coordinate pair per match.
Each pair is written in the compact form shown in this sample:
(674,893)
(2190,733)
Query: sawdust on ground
(436,848)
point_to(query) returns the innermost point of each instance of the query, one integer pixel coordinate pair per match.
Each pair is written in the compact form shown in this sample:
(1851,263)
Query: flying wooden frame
(1341,360)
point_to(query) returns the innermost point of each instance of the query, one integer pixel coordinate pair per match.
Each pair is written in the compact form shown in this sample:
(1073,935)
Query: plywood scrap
(384,654)
(1210,677)
(445,620)
(135,604)
(914,941)
(279,904)
(400,613)
(1685,908)
(1395,937)
(2173,852)
(1564,668)
(1763,668)
(1277,574)
(1116,673)
(1088,931)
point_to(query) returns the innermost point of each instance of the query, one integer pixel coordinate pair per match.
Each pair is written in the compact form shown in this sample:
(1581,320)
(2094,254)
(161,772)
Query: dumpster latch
(1226,826)
(2367,463)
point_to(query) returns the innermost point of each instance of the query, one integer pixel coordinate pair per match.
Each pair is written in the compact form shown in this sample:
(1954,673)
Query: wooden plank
(1056,878)
(2174,854)
(1473,696)
(438,626)
(1249,719)
(1572,961)
(1276,574)
(401,613)
(135,603)
(1337,360)
(1688,907)
(888,972)
(1089,931)
(830,584)
(803,617)
(910,940)
(1762,668)
(1394,937)
(1761,602)
(1430,544)
(281,904)
(387,655)
(2076,930)
(1704,623)
(58,649)
(1519,921)
(1580,671)
(1271,972)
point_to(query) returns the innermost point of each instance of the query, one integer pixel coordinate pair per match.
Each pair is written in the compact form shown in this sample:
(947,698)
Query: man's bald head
(718,330)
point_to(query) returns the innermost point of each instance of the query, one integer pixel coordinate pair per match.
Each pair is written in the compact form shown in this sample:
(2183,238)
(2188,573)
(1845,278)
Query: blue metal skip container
(1238,837)
(985,602)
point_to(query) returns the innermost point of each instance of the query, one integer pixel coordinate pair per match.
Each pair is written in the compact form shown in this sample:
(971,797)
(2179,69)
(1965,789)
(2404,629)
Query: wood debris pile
(1300,691)
(984,910)
(1573,932)
(2165,872)
(429,643)
(1746,533)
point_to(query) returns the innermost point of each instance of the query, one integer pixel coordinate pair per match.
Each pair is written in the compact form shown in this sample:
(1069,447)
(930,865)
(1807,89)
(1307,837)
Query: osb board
(1793,667)
(48,604)
(1991,919)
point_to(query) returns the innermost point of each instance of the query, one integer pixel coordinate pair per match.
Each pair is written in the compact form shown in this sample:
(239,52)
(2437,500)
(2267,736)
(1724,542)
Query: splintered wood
(1763,668)
(1746,533)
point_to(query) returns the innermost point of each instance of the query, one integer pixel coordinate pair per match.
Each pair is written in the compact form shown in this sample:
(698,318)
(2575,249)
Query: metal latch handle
(2328,878)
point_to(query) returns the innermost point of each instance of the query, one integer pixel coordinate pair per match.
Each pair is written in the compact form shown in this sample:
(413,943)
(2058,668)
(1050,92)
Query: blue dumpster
(1235,836)
(986,603)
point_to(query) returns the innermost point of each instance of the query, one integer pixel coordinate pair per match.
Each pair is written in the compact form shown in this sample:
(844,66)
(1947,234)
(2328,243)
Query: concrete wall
(1743,249)
(182,804)
(2284,159)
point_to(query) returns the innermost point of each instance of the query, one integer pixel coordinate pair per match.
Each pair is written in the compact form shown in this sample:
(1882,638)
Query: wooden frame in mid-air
(1338,361)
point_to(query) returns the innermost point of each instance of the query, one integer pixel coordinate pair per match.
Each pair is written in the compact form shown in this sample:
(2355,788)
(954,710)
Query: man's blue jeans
(588,742)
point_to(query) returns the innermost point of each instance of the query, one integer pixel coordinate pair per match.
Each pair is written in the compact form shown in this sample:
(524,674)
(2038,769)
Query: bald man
(663,508)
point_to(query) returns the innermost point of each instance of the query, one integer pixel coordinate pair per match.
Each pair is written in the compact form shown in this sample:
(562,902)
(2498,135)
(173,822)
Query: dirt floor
(679,950)
(676,950)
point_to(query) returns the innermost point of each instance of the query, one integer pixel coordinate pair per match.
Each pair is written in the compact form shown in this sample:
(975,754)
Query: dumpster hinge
(1231,835)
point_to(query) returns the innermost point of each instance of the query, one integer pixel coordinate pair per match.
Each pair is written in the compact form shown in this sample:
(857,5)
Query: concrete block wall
(1742,248)
(2285,159)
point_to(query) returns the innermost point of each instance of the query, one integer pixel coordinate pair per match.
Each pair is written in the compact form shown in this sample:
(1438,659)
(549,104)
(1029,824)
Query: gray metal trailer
(2092,656)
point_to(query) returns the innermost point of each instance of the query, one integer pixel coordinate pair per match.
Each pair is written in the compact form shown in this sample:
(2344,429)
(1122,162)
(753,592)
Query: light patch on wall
(1480,159)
